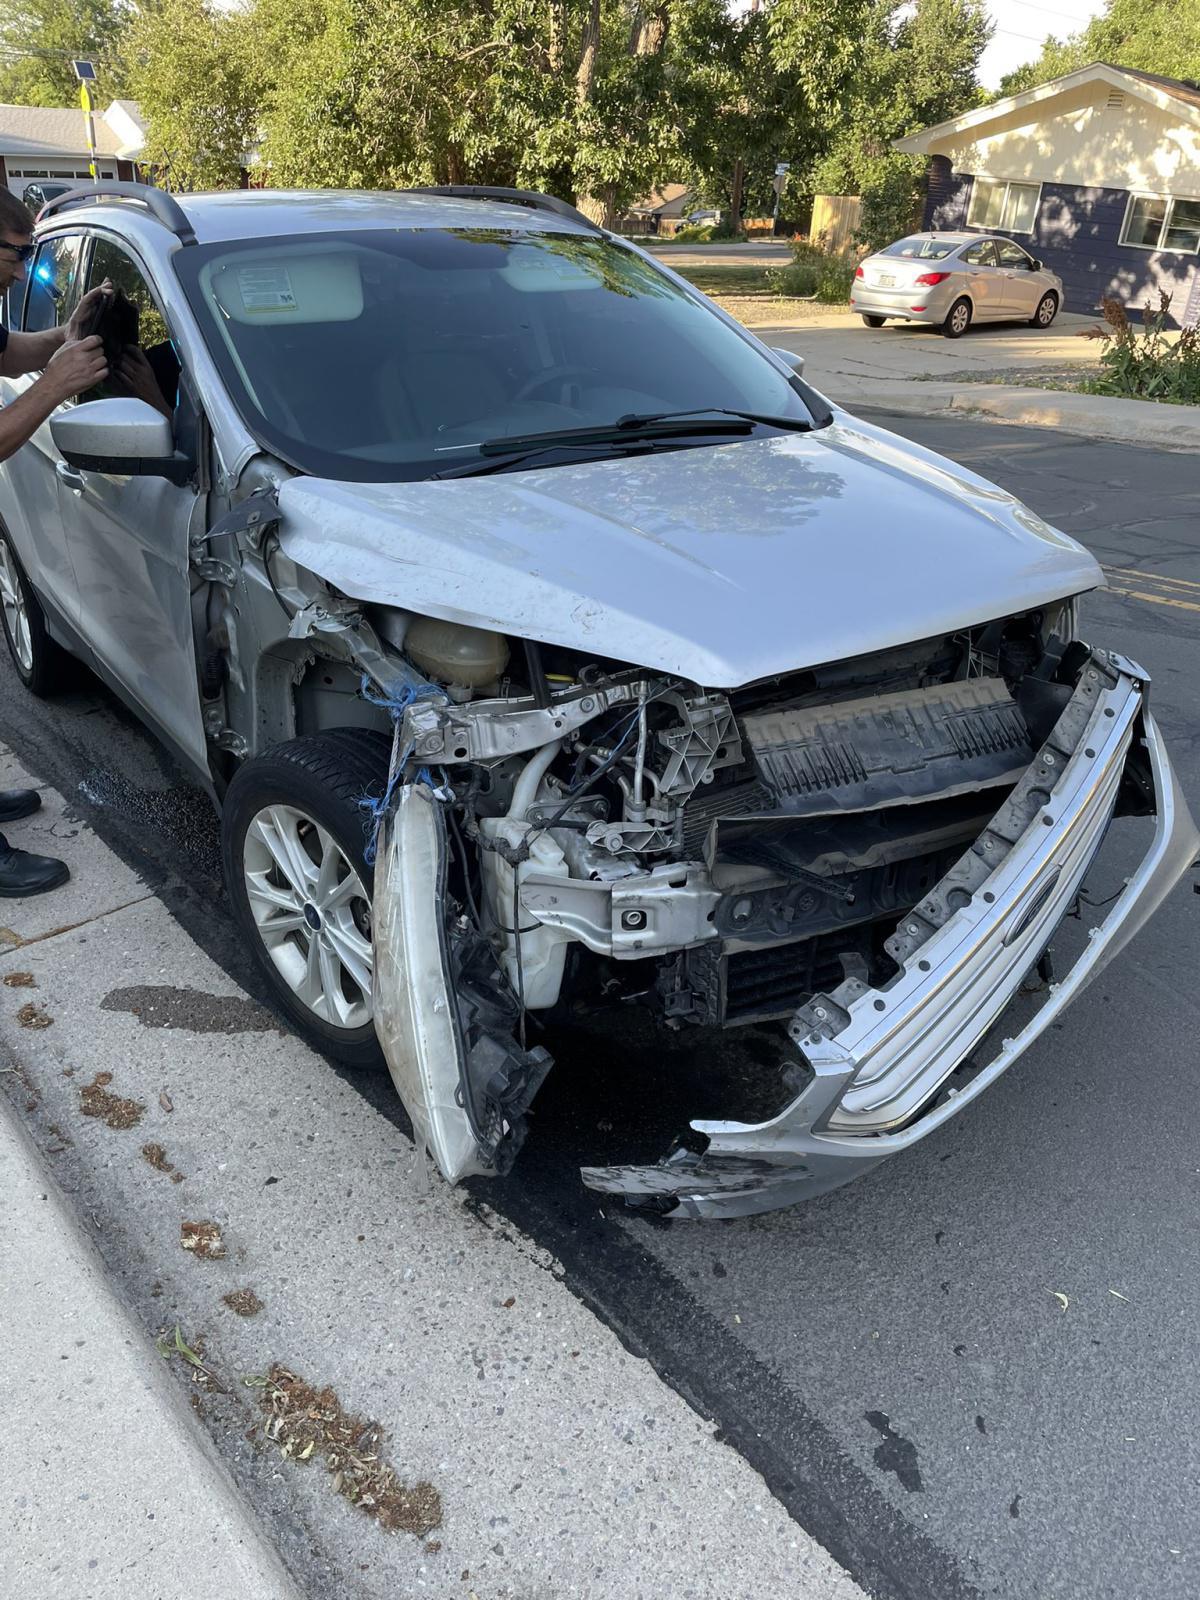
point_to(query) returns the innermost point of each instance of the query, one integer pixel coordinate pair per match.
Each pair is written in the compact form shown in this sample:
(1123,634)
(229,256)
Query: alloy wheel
(16,617)
(312,914)
(1046,310)
(960,317)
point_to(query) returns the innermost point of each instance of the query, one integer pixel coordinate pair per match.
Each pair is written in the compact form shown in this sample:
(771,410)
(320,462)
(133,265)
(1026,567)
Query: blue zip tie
(395,705)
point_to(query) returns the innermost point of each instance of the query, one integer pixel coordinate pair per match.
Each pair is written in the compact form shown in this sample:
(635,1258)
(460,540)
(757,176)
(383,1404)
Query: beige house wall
(1078,138)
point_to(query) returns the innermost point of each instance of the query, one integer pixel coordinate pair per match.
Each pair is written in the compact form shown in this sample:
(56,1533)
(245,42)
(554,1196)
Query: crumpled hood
(721,564)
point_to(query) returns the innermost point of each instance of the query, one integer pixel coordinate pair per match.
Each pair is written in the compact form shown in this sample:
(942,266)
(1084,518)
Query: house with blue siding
(1097,173)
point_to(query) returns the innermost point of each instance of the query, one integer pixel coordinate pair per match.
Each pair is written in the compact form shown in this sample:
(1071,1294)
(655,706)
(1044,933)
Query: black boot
(18,803)
(24,874)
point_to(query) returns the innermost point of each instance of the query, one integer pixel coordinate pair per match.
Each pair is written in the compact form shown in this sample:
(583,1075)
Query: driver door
(30,493)
(128,540)
(1022,284)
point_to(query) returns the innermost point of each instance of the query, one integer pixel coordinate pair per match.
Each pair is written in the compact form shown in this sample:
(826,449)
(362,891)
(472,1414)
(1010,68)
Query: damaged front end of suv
(874,852)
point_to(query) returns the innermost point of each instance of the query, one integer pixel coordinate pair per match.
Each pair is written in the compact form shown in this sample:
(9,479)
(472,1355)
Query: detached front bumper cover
(875,1057)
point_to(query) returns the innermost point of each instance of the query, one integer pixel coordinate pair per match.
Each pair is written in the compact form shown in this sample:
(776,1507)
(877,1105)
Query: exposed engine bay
(724,857)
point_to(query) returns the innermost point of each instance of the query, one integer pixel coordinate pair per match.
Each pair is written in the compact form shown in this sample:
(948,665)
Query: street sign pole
(85,100)
(85,71)
(782,168)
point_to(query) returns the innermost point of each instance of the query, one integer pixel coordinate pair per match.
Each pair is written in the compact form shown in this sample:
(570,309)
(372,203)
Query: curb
(109,1486)
(1140,422)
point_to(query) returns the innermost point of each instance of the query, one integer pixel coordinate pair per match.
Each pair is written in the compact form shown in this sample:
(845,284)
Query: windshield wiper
(509,450)
(479,468)
(606,432)
(635,421)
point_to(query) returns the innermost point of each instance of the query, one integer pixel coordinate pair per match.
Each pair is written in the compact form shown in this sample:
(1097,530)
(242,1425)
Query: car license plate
(884,280)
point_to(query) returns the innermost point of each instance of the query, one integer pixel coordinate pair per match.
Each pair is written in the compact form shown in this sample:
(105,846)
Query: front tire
(293,841)
(35,655)
(873,321)
(958,319)
(1046,312)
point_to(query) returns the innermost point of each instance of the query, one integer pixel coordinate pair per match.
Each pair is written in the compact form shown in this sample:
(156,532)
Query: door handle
(68,476)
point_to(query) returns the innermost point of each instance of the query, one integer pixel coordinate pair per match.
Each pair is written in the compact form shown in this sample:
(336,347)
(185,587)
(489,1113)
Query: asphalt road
(895,1358)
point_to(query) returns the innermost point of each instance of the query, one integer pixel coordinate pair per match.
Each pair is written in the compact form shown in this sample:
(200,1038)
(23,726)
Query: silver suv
(540,633)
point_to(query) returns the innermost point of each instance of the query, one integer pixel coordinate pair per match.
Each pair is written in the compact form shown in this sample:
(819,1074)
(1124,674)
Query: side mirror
(1035,265)
(793,360)
(126,437)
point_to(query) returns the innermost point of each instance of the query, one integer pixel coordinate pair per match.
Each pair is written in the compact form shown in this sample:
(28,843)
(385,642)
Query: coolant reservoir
(450,652)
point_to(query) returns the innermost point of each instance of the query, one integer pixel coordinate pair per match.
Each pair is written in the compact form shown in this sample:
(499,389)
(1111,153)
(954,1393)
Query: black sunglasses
(23,252)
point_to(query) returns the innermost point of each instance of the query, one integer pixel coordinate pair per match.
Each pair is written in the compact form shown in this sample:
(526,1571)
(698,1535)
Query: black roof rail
(161,205)
(515,197)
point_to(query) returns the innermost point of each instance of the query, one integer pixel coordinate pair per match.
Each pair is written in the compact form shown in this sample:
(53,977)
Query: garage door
(19,175)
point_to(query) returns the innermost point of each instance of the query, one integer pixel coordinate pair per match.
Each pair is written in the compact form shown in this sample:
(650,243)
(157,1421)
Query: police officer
(69,365)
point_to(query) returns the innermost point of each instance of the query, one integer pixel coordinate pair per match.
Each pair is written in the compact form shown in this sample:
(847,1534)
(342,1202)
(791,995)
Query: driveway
(848,361)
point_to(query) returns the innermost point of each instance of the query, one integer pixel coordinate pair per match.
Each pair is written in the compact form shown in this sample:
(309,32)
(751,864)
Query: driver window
(141,357)
(53,290)
(1011,255)
(982,254)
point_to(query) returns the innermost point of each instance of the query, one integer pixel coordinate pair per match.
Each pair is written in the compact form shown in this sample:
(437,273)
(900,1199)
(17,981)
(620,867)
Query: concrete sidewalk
(1091,416)
(563,1465)
(108,1484)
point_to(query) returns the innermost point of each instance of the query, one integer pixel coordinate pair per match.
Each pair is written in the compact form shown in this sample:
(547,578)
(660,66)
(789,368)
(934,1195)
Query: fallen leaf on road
(164,1101)
(244,1301)
(1116,1293)
(202,1239)
(112,1109)
(20,980)
(31,1016)
(1061,1298)
(303,1420)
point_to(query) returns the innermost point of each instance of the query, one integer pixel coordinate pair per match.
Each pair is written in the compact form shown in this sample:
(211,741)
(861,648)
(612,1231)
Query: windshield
(922,249)
(395,354)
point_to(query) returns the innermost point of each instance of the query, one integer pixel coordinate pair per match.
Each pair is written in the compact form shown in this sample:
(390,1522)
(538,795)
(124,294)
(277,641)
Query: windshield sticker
(266,289)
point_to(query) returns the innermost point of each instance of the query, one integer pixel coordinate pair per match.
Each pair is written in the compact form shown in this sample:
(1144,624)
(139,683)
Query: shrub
(694,233)
(814,273)
(797,280)
(1145,365)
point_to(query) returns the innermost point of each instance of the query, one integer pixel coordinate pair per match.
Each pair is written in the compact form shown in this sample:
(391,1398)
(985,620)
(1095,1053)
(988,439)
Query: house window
(1011,206)
(1153,222)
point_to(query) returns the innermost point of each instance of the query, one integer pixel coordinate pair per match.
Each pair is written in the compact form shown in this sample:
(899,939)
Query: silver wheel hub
(959,319)
(12,601)
(312,913)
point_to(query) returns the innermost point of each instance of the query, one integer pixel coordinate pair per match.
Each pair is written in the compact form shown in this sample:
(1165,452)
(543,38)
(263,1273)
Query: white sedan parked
(954,279)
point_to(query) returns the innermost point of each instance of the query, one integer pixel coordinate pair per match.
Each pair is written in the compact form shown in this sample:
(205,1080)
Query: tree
(569,95)
(918,66)
(1149,35)
(40,38)
(187,67)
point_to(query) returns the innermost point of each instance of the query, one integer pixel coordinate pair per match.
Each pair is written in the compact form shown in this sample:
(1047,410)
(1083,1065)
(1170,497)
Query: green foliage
(188,70)
(1160,36)
(798,280)
(917,65)
(1144,364)
(764,85)
(814,273)
(694,233)
(39,38)
(891,199)
(596,100)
